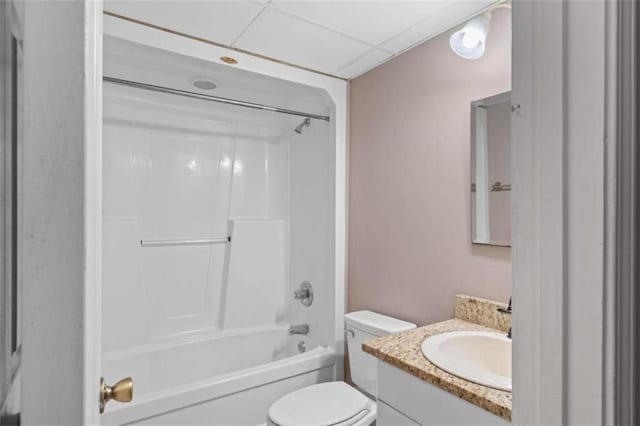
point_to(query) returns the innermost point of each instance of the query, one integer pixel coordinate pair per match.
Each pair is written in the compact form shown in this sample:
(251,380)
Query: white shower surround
(244,378)
(336,89)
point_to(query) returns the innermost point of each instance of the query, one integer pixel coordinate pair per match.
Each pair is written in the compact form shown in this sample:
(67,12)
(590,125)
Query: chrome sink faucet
(299,329)
(508,312)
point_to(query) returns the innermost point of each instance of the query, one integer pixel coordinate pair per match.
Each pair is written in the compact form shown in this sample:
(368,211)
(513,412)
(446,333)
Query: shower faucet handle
(304,293)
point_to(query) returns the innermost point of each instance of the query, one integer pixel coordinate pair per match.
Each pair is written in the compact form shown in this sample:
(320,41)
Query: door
(11,133)
(52,345)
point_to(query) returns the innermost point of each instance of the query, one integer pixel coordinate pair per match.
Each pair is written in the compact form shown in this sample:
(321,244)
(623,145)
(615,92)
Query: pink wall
(410,246)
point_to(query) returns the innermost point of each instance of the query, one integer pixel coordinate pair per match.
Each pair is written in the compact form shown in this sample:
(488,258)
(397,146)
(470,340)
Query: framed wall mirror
(491,170)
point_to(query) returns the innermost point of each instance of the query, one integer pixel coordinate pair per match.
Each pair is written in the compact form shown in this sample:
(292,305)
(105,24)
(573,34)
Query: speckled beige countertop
(403,351)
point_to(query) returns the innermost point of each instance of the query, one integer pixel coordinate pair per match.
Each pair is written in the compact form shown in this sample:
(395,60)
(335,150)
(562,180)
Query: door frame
(624,295)
(61,212)
(566,168)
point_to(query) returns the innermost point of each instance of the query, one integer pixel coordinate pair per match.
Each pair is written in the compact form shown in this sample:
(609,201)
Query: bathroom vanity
(413,391)
(404,399)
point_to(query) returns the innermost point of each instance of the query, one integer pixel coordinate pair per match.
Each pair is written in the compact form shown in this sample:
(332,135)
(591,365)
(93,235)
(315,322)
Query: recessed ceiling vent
(204,83)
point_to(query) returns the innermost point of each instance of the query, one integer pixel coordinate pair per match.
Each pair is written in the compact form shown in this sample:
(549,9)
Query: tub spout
(299,329)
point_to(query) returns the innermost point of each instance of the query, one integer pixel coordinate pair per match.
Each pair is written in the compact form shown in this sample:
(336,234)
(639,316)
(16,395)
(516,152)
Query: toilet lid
(323,404)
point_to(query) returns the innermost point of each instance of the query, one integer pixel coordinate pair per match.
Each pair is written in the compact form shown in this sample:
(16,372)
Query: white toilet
(337,403)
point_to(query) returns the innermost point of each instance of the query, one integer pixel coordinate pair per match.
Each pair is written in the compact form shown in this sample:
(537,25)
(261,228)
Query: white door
(57,254)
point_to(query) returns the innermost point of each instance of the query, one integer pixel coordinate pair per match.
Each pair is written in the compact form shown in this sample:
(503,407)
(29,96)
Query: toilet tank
(361,326)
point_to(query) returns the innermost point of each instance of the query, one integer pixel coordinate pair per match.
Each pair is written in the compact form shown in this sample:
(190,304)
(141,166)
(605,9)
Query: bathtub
(229,379)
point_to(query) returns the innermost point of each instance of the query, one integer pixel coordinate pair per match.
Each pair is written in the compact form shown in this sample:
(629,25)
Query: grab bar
(154,243)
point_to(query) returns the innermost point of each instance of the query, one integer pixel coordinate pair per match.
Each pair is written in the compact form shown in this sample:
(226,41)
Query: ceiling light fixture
(229,60)
(469,42)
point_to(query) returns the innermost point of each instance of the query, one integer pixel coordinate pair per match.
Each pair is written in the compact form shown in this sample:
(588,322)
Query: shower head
(305,123)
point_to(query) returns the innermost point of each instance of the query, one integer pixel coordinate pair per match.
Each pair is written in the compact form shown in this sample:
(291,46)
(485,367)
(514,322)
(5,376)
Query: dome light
(469,42)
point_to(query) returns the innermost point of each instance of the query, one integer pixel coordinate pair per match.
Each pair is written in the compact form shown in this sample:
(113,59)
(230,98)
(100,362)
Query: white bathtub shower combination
(212,216)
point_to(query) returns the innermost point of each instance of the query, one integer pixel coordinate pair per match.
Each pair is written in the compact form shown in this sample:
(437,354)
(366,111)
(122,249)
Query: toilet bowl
(337,403)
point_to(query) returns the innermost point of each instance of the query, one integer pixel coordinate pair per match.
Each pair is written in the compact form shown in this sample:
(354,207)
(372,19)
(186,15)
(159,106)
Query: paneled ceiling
(342,38)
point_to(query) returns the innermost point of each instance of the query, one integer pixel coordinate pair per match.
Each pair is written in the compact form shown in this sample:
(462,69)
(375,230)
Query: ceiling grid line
(255,18)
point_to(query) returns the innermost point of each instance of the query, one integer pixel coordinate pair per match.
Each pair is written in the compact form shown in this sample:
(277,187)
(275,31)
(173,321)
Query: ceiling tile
(363,64)
(219,21)
(289,39)
(453,13)
(370,21)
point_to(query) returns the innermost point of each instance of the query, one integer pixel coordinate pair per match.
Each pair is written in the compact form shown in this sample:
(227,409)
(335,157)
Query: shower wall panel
(255,284)
(174,170)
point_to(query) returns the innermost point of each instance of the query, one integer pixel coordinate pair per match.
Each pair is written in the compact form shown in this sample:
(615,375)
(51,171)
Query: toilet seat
(324,404)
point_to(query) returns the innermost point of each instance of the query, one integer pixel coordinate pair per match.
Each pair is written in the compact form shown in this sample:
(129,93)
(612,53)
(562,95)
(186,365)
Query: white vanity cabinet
(404,399)
(387,415)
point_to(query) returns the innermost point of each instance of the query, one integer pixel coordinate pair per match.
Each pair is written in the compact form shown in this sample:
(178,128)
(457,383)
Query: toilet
(337,403)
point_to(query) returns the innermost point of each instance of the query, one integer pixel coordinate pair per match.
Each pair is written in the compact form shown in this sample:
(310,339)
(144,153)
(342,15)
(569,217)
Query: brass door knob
(121,391)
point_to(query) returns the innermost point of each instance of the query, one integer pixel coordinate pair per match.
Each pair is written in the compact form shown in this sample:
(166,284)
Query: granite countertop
(403,350)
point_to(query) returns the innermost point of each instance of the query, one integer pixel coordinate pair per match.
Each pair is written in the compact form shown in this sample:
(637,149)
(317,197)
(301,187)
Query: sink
(478,356)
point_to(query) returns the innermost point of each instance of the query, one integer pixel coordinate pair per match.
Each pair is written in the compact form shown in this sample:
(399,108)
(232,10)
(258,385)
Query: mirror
(491,170)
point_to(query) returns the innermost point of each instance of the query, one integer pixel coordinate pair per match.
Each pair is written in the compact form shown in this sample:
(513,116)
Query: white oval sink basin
(478,356)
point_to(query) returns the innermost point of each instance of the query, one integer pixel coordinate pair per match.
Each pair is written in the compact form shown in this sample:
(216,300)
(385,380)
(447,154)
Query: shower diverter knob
(304,293)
